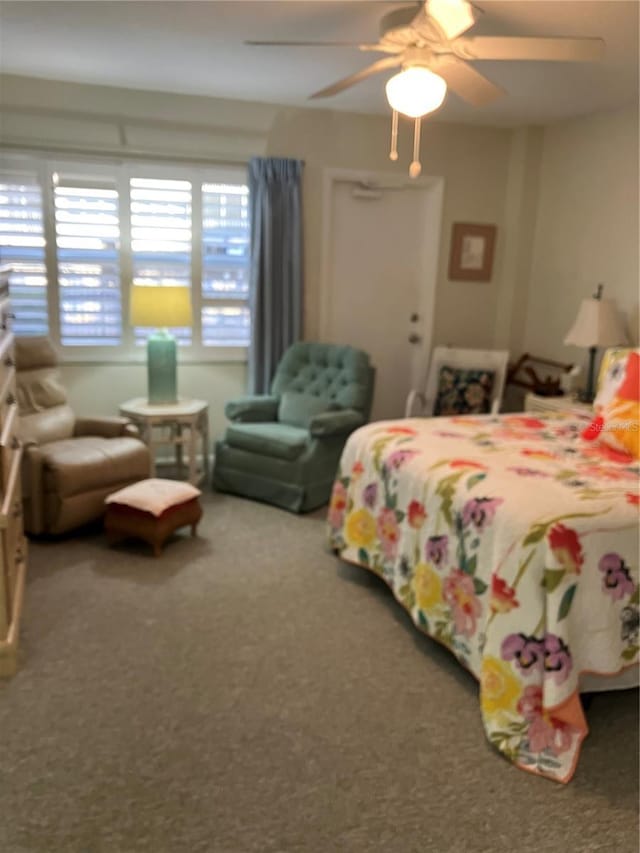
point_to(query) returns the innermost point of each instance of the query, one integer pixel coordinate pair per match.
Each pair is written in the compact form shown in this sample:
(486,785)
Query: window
(161,237)
(22,244)
(225,264)
(88,260)
(92,230)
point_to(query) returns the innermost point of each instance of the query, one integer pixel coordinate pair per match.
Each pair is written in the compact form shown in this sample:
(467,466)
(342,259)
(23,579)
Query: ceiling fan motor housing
(420,56)
(399,28)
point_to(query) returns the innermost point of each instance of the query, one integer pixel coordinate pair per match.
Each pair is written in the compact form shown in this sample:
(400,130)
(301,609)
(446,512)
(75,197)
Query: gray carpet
(246,692)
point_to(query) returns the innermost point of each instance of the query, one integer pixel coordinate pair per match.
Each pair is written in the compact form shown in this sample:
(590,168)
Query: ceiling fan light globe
(416,91)
(452,16)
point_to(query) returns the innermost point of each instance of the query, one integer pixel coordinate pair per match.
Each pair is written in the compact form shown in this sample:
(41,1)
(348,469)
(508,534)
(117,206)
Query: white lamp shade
(416,91)
(453,16)
(158,306)
(598,324)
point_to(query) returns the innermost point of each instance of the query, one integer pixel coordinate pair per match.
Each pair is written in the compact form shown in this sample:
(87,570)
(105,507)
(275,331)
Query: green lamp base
(161,368)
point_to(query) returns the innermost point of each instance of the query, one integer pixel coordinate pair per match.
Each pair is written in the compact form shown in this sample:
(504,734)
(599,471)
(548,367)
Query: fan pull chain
(393,154)
(415,168)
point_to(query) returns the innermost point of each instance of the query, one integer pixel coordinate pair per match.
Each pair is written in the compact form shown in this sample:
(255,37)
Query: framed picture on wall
(471,257)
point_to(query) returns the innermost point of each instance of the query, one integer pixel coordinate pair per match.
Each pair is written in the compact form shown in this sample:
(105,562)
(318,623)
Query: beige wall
(586,228)
(474,163)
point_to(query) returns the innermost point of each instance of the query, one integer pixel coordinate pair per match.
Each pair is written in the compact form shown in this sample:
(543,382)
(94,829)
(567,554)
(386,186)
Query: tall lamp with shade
(598,324)
(158,307)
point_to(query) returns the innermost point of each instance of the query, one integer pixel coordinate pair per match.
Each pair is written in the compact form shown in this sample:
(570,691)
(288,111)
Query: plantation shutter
(225,265)
(22,246)
(88,251)
(161,238)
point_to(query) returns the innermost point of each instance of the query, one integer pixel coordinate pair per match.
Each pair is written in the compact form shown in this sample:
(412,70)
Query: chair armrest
(253,409)
(112,427)
(336,422)
(414,395)
(32,488)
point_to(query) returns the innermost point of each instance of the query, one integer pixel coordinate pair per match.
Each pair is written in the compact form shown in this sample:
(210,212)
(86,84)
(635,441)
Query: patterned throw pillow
(617,421)
(463,391)
(610,375)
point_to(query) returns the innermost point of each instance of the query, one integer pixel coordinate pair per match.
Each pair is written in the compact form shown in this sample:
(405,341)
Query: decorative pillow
(611,375)
(462,391)
(297,409)
(154,495)
(617,420)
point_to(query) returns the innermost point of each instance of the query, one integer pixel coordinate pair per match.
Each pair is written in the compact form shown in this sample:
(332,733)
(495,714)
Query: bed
(514,543)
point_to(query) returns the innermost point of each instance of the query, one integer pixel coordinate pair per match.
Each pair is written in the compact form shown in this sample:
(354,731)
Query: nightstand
(555,405)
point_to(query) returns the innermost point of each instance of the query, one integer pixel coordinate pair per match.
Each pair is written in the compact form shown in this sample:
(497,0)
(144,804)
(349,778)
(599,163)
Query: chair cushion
(462,391)
(279,440)
(154,495)
(298,409)
(77,465)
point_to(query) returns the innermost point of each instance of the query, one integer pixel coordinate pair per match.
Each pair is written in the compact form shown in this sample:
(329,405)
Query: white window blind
(161,238)
(22,245)
(88,253)
(225,265)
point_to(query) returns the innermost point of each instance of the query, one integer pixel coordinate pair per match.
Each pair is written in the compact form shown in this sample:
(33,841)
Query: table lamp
(598,324)
(159,306)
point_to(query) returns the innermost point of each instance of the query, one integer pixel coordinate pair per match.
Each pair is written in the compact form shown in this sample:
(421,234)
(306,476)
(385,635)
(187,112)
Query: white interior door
(380,274)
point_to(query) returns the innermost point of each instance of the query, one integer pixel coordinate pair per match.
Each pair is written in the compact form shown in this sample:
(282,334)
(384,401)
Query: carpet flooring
(248,693)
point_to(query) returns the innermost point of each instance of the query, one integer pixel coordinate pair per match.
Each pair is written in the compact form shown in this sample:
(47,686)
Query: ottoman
(152,510)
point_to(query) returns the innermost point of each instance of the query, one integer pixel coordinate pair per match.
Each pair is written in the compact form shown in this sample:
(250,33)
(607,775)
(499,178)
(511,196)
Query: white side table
(182,425)
(550,405)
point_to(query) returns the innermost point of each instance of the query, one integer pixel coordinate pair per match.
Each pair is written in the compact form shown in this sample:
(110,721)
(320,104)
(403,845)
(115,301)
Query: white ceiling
(197,48)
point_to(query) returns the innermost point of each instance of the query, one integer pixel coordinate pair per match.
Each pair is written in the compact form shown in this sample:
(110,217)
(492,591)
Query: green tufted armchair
(284,448)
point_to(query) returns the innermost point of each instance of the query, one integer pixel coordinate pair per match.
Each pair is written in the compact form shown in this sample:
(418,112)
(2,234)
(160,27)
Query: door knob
(414,339)
(414,318)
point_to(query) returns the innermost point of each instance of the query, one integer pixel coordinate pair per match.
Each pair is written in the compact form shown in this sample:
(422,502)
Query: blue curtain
(276,264)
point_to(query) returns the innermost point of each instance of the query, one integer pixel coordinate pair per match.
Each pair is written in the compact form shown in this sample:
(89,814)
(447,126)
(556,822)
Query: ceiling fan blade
(382,48)
(466,82)
(549,49)
(346,82)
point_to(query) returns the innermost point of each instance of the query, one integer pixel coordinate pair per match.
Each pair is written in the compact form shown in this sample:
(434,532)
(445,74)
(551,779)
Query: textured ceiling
(197,48)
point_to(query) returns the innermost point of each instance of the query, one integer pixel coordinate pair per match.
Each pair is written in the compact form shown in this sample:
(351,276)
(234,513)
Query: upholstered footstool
(152,510)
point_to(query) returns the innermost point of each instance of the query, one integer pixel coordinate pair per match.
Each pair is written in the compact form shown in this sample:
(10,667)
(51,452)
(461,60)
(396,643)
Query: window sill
(231,355)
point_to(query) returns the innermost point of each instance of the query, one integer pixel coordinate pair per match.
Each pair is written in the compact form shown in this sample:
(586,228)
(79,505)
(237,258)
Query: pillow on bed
(610,375)
(463,391)
(617,421)
(297,409)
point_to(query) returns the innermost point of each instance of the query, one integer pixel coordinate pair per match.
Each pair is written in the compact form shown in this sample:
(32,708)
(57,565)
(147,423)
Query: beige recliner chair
(69,464)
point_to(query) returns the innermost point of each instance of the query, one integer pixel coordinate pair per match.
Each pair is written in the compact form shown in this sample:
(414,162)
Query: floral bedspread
(514,543)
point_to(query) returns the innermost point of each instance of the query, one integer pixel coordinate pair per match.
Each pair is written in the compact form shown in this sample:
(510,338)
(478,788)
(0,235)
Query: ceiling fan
(427,42)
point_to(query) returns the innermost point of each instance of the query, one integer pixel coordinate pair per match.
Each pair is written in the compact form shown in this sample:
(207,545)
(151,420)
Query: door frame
(433,185)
